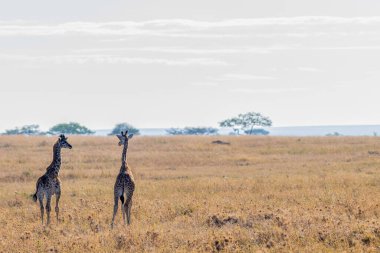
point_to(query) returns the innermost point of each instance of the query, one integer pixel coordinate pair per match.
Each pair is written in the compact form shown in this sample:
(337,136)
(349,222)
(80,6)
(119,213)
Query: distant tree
(124,126)
(233,123)
(257,131)
(334,134)
(200,130)
(175,131)
(247,122)
(70,128)
(26,130)
(192,131)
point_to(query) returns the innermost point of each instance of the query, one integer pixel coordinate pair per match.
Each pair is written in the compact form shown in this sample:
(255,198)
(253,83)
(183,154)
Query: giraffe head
(62,142)
(124,138)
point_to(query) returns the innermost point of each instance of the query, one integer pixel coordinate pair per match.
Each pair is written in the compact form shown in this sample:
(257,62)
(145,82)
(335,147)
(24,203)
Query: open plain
(267,194)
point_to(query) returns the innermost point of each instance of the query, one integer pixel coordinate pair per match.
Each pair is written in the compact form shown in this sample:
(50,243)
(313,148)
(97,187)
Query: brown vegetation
(257,194)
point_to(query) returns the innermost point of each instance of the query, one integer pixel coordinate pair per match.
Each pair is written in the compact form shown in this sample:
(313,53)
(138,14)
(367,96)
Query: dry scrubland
(267,194)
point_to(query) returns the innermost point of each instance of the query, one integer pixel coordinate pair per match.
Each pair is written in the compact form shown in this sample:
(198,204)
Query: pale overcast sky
(175,63)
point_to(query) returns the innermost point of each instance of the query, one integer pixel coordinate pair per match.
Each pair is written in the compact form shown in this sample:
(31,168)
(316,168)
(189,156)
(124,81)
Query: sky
(175,63)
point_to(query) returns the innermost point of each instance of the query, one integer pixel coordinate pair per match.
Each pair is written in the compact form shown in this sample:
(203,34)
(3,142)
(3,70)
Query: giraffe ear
(130,136)
(119,136)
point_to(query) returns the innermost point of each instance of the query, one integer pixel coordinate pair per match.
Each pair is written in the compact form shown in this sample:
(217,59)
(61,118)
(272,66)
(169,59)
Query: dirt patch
(221,142)
(220,245)
(219,222)
(15,203)
(5,145)
(215,221)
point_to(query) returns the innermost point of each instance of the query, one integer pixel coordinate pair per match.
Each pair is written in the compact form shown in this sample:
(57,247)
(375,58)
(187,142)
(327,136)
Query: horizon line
(323,125)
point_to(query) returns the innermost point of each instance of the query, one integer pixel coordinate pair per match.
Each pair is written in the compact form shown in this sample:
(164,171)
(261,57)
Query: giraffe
(124,182)
(49,184)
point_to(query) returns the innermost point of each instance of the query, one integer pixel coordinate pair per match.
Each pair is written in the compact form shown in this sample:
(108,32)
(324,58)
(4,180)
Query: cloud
(309,69)
(267,91)
(180,50)
(108,59)
(301,20)
(175,27)
(241,77)
(354,48)
(205,84)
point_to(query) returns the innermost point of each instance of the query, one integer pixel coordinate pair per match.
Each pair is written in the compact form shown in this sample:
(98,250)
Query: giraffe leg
(128,207)
(58,193)
(115,209)
(48,208)
(123,211)
(41,200)
(122,207)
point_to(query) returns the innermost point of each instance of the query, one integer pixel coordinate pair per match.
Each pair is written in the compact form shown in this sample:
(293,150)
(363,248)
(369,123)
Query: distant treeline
(247,123)
(67,128)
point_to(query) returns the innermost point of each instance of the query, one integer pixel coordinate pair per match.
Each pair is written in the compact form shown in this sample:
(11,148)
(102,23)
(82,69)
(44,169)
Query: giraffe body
(124,185)
(49,184)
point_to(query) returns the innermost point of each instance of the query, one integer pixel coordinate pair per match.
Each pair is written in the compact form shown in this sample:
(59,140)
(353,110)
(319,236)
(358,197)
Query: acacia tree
(192,131)
(124,126)
(233,123)
(175,131)
(70,128)
(247,122)
(257,131)
(26,130)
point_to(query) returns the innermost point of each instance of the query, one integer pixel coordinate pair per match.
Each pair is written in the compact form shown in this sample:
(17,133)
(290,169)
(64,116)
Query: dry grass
(257,194)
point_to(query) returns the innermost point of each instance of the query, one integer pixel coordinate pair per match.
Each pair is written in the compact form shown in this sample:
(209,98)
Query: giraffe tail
(35,197)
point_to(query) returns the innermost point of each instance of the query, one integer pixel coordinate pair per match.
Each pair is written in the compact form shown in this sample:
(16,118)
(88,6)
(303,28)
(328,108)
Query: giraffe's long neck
(124,158)
(56,163)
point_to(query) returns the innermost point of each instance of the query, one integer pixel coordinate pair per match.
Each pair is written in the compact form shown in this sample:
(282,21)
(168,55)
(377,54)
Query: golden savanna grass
(265,194)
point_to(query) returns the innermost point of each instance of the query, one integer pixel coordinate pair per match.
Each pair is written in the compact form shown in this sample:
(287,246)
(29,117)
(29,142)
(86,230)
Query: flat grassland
(267,194)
